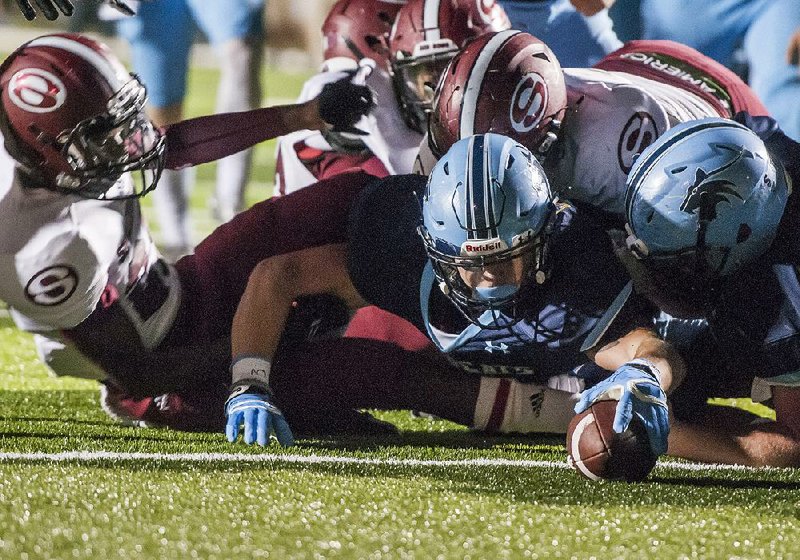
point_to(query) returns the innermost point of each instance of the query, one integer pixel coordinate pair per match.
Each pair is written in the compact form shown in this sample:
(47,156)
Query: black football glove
(47,7)
(342,103)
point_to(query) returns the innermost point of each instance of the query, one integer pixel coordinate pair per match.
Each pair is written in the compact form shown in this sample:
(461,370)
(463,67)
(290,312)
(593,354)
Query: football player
(703,206)
(586,125)
(77,263)
(506,283)
(408,45)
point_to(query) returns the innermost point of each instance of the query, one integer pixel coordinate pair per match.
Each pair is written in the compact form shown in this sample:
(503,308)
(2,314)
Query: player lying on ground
(505,282)
(77,264)
(703,207)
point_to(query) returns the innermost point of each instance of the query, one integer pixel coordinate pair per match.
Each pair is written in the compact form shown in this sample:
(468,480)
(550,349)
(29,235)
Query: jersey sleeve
(386,255)
(59,276)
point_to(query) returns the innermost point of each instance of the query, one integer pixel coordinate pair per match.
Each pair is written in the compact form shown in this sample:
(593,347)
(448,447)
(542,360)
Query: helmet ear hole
(744,233)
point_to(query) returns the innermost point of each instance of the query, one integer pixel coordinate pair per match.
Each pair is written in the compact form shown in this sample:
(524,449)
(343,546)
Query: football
(599,453)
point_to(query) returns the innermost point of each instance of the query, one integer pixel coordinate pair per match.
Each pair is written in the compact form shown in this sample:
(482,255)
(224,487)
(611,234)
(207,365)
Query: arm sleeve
(203,139)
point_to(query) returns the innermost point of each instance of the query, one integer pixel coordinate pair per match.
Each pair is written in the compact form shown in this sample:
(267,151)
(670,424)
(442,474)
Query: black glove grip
(343,103)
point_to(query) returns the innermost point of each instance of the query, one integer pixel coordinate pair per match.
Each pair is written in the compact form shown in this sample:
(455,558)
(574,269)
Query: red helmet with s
(360,29)
(425,36)
(72,117)
(509,83)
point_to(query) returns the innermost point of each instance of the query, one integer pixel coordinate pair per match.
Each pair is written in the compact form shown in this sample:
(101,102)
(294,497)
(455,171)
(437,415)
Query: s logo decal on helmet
(528,102)
(507,82)
(36,90)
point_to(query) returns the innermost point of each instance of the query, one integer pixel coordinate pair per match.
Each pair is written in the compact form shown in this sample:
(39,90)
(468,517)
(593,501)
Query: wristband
(250,370)
(647,367)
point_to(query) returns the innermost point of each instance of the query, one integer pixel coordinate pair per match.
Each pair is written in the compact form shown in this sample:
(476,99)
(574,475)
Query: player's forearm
(203,139)
(261,315)
(276,283)
(644,344)
(759,445)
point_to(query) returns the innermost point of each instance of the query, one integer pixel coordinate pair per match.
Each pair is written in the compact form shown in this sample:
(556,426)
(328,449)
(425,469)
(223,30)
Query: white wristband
(250,370)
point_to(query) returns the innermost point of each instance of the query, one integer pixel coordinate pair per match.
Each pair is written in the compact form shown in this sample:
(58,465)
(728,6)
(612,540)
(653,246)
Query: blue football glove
(259,416)
(636,387)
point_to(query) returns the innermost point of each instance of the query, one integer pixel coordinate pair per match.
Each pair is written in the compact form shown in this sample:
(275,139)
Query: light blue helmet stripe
(641,169)
(468,198)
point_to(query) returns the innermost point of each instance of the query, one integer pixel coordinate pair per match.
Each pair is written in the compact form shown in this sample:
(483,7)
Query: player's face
(507,273)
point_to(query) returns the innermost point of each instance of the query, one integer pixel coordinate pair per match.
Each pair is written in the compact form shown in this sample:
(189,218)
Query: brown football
(597,452)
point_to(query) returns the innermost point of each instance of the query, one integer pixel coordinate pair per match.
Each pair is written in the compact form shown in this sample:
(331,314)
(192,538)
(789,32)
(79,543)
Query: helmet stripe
(469,210)
(430,20)
(94,58)
(469,102)
(644,167)
(491,223)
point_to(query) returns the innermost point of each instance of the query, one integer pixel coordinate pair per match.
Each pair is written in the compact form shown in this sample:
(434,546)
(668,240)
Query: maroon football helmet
(425,36)
(360,29)
(72,117)
(510,83)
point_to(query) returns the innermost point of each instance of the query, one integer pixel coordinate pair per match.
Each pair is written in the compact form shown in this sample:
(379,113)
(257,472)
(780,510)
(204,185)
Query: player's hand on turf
(254,408)
(344,102)
(637,388)
(48,8)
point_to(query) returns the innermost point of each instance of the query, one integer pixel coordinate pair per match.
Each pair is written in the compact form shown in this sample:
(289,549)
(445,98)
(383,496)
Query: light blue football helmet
(487,201)
(703,201)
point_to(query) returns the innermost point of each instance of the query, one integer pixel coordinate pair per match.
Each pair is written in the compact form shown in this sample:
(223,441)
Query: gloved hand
(253,407)
(636,386)
(47,7)
(344,102)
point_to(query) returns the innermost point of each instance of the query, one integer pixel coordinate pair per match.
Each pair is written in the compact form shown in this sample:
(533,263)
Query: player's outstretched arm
(338,107)
(645,368)
(258,324)
(759,443)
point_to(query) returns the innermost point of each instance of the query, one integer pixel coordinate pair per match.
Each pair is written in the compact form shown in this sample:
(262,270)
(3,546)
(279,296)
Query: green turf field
(75,485)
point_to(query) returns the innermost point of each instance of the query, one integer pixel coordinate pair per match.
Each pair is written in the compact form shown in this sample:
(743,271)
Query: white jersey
(388,137)
(611,118)
(6,168)
(63,256)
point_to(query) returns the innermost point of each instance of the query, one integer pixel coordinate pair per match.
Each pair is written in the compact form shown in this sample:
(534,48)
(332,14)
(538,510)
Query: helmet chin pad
(494,293)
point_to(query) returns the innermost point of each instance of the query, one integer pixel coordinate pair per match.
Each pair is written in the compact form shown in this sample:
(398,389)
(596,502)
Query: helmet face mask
(91,134)
(357,29)
(415,80)
(486,218)
(102,148)
(426,34)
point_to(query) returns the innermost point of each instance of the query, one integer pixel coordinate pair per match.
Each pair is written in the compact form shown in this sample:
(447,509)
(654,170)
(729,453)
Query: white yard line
(93,456)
